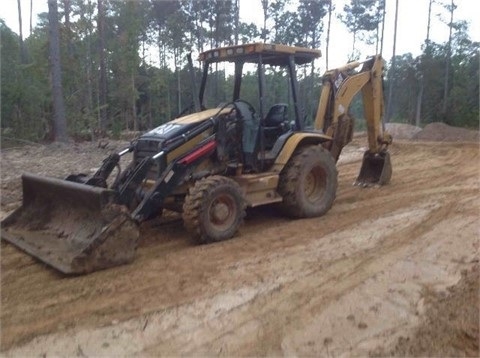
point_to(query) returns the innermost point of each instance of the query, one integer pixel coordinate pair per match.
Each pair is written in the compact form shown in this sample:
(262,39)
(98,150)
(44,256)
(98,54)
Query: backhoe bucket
(376,169)
(75,228)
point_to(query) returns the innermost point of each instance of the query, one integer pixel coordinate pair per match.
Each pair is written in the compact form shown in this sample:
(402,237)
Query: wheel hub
(314,184)
(220,212)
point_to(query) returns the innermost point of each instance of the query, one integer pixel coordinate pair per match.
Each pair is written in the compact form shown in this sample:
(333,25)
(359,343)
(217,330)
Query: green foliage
(463,91)
(25,105)
(311,13)
(143,95)
(10,60)
(405,101)
(361,18)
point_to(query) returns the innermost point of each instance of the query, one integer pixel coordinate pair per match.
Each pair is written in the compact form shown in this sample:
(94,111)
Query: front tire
(308,183)
(213,209)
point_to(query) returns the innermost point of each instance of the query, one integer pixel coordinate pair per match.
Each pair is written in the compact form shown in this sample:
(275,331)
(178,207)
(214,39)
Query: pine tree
(59,120)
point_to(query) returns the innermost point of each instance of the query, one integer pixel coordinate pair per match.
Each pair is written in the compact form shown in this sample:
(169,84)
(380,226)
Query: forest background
(121,65)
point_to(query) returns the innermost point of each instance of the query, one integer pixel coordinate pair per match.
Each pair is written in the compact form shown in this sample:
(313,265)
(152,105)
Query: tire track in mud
(286,304)
(352,267)
(269,306)
(169,273)
(347,223)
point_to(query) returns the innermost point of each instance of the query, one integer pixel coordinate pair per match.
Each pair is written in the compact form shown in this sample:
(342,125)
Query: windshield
(220,83)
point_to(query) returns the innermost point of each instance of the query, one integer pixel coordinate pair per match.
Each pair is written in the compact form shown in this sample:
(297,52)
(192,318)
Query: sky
(412,25)
(411,33)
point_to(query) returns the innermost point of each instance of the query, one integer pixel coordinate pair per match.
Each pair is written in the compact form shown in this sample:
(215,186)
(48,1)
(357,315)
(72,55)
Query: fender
(295,141)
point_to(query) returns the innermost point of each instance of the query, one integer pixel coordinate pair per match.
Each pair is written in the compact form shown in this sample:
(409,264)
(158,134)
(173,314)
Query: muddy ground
(389,271)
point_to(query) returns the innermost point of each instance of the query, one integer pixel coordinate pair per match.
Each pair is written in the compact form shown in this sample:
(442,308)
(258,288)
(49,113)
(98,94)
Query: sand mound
(451,323)
(438,131)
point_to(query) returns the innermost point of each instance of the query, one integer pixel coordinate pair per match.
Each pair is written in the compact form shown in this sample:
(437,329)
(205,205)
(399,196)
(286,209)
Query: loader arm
(339,88)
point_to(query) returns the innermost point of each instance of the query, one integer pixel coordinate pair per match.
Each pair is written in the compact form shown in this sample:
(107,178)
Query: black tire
(308,183)
(213,209)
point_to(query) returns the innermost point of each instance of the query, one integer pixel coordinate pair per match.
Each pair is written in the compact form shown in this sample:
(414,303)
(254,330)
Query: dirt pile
(450,328)
(439,131)
(402,130)
(436,131)
(52,160)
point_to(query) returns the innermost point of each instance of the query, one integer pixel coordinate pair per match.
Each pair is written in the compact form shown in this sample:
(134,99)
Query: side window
(219,85)
(277,87)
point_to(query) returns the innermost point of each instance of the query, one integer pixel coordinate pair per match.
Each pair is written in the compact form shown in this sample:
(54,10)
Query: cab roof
(272,54)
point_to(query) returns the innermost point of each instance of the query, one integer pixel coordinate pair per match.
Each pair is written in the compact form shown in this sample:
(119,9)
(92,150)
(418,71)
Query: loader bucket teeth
(75,228)
(376,169)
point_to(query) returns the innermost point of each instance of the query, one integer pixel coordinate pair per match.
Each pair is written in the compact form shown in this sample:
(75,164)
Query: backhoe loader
(209,164)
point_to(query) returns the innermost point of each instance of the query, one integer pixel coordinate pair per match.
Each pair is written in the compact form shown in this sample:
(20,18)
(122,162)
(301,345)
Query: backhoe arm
(339,88)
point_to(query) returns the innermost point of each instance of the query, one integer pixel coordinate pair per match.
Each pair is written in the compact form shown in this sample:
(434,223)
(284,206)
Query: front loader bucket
(72,227)
(376,169)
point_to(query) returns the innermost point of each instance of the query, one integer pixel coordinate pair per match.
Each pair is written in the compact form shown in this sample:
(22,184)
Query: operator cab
(263,131)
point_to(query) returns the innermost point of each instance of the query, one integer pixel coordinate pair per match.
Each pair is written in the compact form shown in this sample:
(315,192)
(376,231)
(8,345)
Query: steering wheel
(244,109)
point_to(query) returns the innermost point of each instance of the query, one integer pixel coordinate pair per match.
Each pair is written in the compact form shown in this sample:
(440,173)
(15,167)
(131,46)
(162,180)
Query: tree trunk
(392,70)
(134,103)
(89,93)
(418,113)
(149,104)
(102,86)
(59,120)
(377,30)
(428,23)
(169,102)
(383,26)
(328,33)
(31,17)
(66,7)
(159,45)
(177,71)
(447,62)
(143,50)
(265,16)
(237,18)
(353,44)
(20,33)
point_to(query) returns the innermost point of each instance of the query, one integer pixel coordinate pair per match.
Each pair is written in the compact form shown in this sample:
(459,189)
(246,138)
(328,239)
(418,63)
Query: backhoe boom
(339,88)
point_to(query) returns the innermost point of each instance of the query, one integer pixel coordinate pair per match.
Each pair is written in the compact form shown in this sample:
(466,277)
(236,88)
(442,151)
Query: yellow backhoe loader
(210,164)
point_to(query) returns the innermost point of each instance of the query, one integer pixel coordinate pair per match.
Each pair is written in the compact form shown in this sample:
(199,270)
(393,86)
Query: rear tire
(214,209)
(308,183)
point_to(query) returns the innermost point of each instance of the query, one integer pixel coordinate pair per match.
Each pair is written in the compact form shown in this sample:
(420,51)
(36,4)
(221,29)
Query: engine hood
(181,125)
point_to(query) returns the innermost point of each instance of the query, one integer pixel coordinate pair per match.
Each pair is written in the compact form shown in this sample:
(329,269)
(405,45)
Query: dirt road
(353,282)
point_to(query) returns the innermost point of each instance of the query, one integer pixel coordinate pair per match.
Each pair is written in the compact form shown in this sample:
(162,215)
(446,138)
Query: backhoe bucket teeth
(376,169)
(75,228)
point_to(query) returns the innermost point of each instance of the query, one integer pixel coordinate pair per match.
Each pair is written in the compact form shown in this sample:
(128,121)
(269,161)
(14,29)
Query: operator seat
(275,124)
(250,130)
